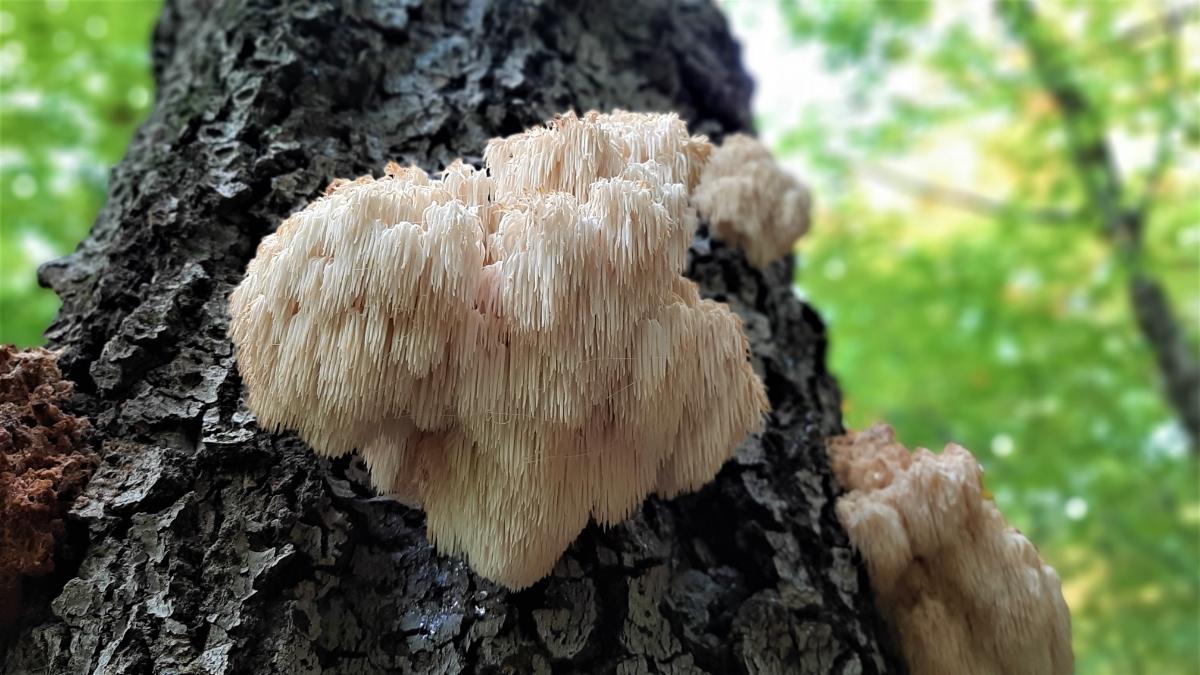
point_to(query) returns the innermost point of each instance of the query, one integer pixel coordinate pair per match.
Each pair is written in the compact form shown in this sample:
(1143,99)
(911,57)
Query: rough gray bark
(215,548)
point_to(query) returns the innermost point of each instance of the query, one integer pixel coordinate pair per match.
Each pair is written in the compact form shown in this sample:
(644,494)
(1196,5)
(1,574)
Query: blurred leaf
(74,84)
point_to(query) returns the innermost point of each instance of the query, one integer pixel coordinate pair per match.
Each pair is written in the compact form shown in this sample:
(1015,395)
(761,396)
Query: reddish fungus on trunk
(45,462)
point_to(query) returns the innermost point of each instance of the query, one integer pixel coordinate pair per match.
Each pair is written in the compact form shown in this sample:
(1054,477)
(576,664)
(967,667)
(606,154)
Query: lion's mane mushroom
(964,591)
(512,350)
(750,202)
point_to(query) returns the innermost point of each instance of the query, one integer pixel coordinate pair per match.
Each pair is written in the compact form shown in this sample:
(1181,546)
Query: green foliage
(74,84)
(1001,328)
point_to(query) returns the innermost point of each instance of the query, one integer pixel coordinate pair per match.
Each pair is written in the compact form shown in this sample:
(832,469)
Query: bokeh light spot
(12,55)
(1189,237)
(835,269)
(970,319)
(24,186)
(138,97)
(1167,440)
(96,83)
(1002,445)
(1076,508)
(96,27)
(36,248)
(1007,350)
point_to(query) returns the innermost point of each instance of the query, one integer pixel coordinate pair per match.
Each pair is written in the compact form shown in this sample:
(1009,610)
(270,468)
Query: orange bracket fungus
(45,462)
(512,349)
(750,201)
(963,591)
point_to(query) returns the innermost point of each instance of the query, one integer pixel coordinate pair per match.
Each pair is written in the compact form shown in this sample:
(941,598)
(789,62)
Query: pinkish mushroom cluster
(751,202)
(963,590)
(512,349)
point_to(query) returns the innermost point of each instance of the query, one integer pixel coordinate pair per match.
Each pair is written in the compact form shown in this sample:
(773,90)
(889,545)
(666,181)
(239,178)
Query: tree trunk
(213,547)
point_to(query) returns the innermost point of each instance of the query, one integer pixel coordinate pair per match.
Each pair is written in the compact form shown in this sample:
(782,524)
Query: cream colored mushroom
(512,350)
(963,590)
(750,202)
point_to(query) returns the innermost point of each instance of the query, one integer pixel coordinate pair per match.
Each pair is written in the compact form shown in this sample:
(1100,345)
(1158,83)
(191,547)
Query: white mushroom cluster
(512,349)
(751,202)
(963,590)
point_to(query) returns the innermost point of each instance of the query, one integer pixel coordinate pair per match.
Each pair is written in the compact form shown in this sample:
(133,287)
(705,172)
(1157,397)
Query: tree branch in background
(958,198)
(1095,164)
(1175,355)
(1169,22)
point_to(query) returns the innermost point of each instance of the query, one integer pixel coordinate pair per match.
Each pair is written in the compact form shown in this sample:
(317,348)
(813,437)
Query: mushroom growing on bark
(751,202)
(962,589)
(512,350)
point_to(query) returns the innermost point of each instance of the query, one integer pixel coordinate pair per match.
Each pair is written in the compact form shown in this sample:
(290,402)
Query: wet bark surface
(214,547)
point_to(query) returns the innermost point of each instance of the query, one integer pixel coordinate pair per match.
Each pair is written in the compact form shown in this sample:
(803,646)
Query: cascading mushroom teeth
(963,591)
(514,349)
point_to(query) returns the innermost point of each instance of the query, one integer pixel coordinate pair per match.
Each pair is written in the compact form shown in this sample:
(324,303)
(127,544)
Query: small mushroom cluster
(963,590)
(751,202)
(511,349)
